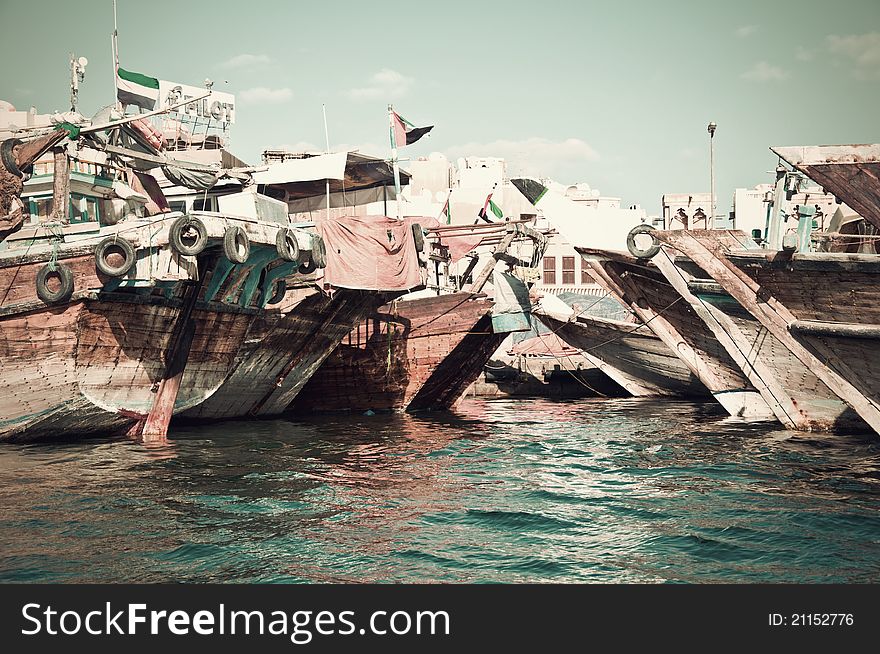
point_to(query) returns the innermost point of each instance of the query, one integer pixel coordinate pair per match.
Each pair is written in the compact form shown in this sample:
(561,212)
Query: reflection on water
(526,490)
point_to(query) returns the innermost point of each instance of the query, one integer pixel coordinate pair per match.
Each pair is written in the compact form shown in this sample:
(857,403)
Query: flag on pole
(490,206)
(446,210)
(136,89)
(404,132)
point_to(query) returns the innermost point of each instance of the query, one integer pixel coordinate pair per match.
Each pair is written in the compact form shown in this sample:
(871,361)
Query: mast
(394,157)
(327,142)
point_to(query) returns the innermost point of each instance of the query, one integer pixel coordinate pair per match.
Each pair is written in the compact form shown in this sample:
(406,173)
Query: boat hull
(631,355)
(412,355)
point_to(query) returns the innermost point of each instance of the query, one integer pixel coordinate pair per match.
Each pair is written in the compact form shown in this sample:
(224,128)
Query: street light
(711,128)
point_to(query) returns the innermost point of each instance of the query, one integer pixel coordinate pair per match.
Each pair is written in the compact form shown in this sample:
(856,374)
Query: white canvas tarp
(324,166)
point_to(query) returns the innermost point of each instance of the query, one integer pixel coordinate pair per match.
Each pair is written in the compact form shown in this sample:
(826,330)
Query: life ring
(319,251)
(8,157)
(418,237)
(236,244)
(287,245)
(110,246)
(280,291)
(188,235)
(65,289)
(634,249)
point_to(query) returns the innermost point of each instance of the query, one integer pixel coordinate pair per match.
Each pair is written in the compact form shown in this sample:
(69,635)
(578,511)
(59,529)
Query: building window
(549,270)
(568,270)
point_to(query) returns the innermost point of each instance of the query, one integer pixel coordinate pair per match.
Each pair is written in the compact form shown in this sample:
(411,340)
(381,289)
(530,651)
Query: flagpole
(115,43)
(394,158)
(327,142)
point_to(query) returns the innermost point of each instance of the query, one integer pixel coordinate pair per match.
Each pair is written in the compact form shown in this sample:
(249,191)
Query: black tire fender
(307,267)
(319,252)
(64,292)
(108,245)
(634,249)
(186,224)
(418,237)
(280,291)
(287,245)
(8,158)
(236,244)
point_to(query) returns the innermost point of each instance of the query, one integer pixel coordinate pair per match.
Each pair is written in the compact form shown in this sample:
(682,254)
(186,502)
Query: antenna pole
(327,143)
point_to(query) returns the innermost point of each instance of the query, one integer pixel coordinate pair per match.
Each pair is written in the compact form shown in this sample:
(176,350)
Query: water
(501,491)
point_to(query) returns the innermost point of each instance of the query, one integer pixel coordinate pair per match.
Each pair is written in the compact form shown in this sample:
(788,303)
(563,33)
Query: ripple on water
(618,490)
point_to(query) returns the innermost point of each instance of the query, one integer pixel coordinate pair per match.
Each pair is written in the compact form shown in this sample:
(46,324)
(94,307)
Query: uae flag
(404,132)
(490,206)
(446,212)
(136,89)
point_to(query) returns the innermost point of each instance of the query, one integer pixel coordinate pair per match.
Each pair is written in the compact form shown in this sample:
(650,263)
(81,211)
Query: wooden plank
(737,346)
(710,257)
(823,328)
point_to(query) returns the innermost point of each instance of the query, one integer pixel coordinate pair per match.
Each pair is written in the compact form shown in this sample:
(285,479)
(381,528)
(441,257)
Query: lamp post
(711,128)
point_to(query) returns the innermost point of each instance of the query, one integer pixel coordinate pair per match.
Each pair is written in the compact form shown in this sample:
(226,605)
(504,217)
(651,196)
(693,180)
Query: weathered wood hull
(630,354)
(796,386)
(93,366)
(644,289)
(122,351)
(282,352)
(409,356)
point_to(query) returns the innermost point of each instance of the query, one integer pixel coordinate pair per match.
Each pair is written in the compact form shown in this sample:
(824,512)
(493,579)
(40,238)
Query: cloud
(261,94)
(386,83)
(862,49)
(531,156)
(745,31)
(804,54)
(246,61)
(764,72)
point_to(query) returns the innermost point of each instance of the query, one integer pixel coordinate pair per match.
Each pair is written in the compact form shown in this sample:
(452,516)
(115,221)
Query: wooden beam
(736,344)
(61,186)
(155,428)
(844,329)
(770,313)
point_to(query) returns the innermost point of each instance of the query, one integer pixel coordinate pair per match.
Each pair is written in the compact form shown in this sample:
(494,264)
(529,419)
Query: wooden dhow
(420,353)
(113,326)
(670,315)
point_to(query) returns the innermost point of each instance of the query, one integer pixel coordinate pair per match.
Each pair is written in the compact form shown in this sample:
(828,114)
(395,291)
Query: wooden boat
(643,288)
(818,304)
(110,328)
(409,355)
(630,353)
(761,333)
(421,353)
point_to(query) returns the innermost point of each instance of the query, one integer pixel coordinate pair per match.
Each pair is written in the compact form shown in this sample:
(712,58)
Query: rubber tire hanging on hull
(101,252)
(280,292)
(175,235)
(64,292)
(236,245)
(287,245)
(633,247)
(319,251)
(8,158)
(418,237)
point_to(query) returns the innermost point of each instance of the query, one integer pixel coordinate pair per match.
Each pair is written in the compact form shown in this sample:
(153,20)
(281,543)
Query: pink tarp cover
(375,253)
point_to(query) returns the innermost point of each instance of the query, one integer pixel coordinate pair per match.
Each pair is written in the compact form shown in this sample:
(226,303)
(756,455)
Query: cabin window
(205,204)
(40,209)
(178,205)
(83,209)
(568,270)
(585,276)
(549,270)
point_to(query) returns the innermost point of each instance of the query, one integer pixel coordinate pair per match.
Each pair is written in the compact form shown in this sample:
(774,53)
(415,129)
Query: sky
(615,94)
